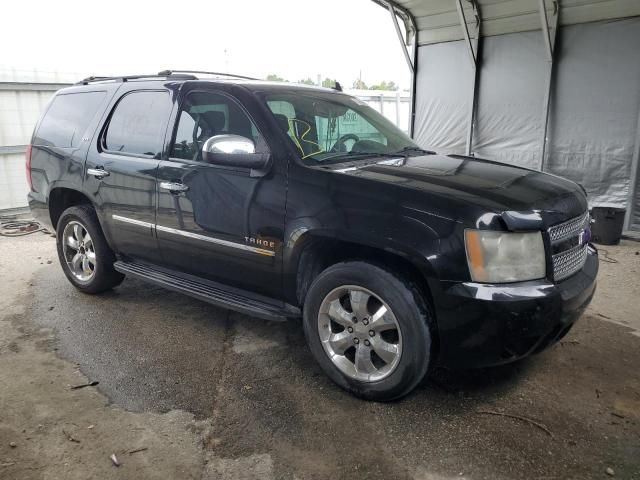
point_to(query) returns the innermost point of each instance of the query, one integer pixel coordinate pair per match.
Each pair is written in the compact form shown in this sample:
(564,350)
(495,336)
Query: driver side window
(204,115)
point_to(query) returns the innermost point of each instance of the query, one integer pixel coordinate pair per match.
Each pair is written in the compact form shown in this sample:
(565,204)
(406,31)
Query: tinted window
(67,119)
(138,122)
(204,115)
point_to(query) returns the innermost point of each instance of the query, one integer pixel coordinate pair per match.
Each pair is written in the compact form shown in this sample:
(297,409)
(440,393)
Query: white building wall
(21,104)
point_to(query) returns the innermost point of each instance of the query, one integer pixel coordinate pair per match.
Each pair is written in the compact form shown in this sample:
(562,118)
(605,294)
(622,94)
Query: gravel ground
(213,394)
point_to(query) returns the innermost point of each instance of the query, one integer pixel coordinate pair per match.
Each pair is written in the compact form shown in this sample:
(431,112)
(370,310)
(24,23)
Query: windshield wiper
(415,149)
(354,155)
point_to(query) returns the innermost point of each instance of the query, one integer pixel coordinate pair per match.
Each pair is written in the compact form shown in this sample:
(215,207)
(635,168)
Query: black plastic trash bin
(607,228)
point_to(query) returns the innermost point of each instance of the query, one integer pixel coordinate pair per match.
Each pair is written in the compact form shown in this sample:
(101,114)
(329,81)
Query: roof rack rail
(220,74)
(126,78)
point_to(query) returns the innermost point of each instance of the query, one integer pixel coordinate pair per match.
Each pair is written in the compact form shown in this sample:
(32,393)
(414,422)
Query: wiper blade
(417,150)
(354,155)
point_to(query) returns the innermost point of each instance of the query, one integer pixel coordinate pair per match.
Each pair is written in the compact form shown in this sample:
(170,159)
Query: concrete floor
(212,394)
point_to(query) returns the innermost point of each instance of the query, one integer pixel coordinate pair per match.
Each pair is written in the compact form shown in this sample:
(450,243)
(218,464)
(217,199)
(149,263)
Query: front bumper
(481,325)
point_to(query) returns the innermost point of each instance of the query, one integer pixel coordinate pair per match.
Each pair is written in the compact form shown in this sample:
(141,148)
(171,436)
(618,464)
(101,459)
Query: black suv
(282,200)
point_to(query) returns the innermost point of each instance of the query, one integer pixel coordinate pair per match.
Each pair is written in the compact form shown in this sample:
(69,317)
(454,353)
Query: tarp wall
(594,112)
(510,99)
(444,80)
(594,109)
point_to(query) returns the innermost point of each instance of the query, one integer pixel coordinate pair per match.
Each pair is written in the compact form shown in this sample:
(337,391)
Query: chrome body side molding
(196,236)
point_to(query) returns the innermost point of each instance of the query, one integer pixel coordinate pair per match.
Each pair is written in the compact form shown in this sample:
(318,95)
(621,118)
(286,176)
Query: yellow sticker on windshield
(302,138)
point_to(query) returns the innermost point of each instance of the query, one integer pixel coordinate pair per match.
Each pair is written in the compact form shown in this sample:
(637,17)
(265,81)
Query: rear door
(220,223)
(121,170)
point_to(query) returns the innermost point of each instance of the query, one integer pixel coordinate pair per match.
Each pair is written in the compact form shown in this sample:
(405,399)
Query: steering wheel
(340,146)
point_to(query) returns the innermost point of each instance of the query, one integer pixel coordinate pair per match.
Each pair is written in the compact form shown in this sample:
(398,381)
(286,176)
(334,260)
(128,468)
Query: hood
(513,192)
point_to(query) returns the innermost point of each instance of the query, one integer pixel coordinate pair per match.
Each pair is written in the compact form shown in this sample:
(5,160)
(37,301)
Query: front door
(217,222)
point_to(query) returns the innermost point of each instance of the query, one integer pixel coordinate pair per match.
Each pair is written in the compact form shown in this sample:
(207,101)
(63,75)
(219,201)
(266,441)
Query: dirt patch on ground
(213,394)
(48,429)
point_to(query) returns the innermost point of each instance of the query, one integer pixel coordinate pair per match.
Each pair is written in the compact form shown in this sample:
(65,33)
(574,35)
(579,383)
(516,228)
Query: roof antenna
(337,86)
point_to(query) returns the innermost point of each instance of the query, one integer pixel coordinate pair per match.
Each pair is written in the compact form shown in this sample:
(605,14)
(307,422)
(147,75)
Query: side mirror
(234,151)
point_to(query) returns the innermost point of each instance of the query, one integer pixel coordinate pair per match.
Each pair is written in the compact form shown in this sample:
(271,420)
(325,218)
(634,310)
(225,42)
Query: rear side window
(67,119)
(138,123)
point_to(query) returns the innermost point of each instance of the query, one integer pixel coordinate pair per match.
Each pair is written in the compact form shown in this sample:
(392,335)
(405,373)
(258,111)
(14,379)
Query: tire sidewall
(410,312)
(88,219)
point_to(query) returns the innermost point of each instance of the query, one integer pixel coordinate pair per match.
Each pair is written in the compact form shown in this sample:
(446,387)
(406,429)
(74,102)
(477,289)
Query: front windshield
(331,128)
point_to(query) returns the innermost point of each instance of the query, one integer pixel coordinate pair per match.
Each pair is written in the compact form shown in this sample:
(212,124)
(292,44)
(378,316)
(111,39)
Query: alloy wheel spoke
(77,232)
(340,342)
(381,321)
(71,242)
(363,361)
(91,256)
(385,350)
(85,265)
(87,240)
(338,314)
(76,262)
(359,301)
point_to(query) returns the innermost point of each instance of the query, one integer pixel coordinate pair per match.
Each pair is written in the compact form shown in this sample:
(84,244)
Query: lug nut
(356,341)
(367,343)
(365,321)
(349,329)
(371,333)
(355,319)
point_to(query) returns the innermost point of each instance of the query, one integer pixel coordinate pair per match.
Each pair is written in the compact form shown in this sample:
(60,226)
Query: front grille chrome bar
(573,227)
(569,261)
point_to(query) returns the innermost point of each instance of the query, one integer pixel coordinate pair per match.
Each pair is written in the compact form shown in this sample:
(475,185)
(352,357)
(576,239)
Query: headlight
(501,257)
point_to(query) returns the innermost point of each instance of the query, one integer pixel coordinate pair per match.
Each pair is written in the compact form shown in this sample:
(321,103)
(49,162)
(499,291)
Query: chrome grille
(569,261)
(569,228)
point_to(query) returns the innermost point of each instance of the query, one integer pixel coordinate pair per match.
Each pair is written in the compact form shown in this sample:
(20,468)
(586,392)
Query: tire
(97,274)
(407,330)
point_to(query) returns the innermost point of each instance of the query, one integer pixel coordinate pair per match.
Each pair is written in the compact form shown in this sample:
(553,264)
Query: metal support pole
(398,109)
(473,46)
(394,19)
(549,36)
(409,47)
(414,81)
(465,30)
(634,181)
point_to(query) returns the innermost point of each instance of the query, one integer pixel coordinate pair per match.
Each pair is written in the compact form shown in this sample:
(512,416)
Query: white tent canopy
(546,84)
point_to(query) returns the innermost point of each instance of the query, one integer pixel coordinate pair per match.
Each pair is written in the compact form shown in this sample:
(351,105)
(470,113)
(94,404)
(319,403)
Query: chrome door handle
(174,187)
(99,173)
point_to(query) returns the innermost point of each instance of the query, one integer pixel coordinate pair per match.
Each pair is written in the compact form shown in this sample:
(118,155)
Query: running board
(208,291)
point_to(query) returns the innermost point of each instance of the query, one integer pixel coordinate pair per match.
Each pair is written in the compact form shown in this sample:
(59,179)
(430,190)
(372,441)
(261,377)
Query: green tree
(384,85)
(358,84)
(307,81)
(272,77)
(328,83)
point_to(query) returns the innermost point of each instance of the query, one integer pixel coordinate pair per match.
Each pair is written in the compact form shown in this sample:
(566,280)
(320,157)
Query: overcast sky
(292,38)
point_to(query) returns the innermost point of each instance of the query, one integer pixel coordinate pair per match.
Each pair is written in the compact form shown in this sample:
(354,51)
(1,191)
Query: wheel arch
(61,198)
(316,252)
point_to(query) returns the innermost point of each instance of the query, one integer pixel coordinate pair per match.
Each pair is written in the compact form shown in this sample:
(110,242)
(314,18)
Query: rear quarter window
(67,119)
(138,123)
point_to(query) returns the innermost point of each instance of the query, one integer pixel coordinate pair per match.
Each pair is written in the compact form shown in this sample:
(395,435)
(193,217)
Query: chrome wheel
(359,333)
(79,251)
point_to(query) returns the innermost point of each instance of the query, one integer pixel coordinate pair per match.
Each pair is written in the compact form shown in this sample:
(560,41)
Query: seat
(283,122)
(212,123)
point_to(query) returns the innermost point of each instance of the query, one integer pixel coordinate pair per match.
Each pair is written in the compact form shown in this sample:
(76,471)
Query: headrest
(215,120)
(283,121)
